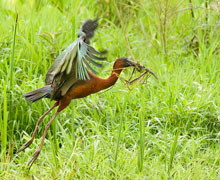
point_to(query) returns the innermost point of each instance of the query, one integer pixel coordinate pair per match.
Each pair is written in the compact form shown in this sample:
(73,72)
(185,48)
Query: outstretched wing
(80,52)
(88,28)
(60,61)
(86,55)
(74,62)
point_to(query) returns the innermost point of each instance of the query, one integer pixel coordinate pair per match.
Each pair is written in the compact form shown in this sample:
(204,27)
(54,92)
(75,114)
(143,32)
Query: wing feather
(73,56)
(96,57)
(89,67)
(94,51)
(73,63)
(93,62)
(60,61)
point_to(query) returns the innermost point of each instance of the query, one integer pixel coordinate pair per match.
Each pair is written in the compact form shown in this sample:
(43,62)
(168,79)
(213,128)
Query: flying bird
(71,76)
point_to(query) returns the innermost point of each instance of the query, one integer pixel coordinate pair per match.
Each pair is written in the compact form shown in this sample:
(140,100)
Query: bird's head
(124,62)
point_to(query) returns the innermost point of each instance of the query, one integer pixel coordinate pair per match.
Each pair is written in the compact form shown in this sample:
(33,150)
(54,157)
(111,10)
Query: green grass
(169,130)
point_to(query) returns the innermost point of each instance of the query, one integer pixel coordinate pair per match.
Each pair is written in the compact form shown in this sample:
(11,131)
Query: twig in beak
(132,74)
(136,79)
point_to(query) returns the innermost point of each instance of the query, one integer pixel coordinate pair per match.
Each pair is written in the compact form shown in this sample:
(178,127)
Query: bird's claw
(35,156)
(26,145)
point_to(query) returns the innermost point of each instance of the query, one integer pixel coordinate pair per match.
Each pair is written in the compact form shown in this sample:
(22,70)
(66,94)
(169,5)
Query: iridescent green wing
(86,55)
(71,66)
(74,62)
(80,52)
(64,60)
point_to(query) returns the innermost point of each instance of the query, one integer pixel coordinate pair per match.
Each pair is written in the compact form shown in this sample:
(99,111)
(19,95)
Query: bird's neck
(112,79)
(101,84)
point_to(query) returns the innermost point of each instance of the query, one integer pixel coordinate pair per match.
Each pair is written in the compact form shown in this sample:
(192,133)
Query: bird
(71,77)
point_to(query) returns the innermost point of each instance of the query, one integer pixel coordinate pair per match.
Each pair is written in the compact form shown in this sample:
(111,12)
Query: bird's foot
(35,156)
(26,145)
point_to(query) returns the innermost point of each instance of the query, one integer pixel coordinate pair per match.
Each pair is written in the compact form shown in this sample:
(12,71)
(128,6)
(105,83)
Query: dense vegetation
(169,130)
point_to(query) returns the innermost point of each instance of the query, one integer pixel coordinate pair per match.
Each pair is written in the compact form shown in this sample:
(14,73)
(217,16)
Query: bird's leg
(36,154)
(27,144)
(62,105)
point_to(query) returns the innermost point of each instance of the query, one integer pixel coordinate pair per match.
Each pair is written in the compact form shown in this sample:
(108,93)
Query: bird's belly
(80,91)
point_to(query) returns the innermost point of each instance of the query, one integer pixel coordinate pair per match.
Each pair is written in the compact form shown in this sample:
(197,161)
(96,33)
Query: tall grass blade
(12,55)
(74,35)
(4,125)
(118,141)
(1,130)
(173,150)
(141,142)
(12,68)
(53,143)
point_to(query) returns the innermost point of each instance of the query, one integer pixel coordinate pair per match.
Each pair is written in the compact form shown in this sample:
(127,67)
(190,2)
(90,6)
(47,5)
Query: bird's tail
(38,94)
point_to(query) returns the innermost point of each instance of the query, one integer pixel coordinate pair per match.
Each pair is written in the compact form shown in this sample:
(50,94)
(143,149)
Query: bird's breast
(81,90)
